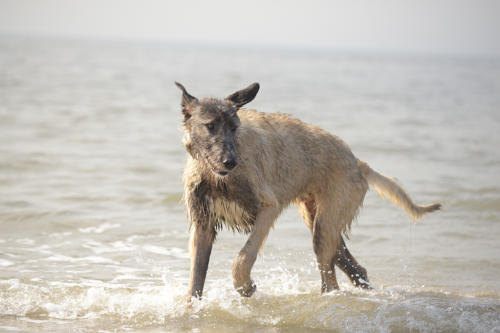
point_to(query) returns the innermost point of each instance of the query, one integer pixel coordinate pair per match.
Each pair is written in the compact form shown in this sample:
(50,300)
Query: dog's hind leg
(350,266)
(343,258)
(325,241)
(325,244)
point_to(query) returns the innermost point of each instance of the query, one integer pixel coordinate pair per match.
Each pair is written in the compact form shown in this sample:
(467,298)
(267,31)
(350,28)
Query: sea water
(93,232)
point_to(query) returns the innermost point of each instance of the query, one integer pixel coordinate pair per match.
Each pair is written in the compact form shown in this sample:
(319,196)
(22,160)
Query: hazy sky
(435,26)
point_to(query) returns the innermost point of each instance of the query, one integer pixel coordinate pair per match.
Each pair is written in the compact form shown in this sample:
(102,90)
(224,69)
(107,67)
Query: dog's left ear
(244,96)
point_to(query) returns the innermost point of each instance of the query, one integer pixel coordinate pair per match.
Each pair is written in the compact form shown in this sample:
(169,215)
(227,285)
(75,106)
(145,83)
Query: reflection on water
(93,234)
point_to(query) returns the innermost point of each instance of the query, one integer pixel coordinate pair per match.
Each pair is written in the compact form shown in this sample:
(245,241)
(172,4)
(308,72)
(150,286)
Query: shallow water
(93,234)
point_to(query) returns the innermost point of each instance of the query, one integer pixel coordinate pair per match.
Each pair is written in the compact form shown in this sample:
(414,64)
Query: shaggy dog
(244,167)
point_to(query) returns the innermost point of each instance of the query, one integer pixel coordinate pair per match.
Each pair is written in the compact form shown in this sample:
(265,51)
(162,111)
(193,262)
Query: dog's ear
(244,96)
(187,99)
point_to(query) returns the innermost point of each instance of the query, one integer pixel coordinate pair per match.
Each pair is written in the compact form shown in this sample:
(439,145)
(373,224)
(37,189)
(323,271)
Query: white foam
(123,247)
(298,305)
(174,251)
(60,235)
(131,277)
(100,229)
(10,329)
(44,321)
(5,263)
(89,259)
(25,241)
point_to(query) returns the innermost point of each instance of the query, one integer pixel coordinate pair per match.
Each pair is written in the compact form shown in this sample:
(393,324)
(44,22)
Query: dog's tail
(388,188)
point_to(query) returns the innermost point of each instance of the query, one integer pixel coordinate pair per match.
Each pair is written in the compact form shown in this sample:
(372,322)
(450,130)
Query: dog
(244,167)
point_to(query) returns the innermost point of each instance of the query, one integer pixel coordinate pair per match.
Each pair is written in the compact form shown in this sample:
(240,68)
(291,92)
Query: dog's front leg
(200,247)
(248,254)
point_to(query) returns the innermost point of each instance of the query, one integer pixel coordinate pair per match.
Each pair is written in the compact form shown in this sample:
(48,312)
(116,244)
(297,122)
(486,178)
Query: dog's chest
(231,214)
(234,204)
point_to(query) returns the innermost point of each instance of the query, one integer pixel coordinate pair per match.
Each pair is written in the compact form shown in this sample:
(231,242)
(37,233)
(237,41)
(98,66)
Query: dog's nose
(230,162)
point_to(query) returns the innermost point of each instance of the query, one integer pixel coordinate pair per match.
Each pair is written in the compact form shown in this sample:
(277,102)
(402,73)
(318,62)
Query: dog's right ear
(187,99)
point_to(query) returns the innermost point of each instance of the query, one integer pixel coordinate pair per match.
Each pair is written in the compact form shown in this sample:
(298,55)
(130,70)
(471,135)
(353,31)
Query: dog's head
(211,127)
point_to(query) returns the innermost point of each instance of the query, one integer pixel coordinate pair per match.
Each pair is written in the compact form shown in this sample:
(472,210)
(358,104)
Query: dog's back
(286,151)
(283,159)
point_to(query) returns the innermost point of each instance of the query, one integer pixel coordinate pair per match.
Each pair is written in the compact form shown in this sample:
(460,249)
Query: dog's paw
(247,289)
(363,284)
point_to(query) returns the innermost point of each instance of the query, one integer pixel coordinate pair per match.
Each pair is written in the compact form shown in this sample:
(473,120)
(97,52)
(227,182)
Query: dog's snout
(230,162)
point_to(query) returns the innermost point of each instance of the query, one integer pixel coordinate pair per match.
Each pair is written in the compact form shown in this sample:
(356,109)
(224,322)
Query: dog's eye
(234,128)
(210,126)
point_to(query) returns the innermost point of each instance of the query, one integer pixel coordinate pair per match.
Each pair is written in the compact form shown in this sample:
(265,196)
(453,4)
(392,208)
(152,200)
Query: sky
(470,27)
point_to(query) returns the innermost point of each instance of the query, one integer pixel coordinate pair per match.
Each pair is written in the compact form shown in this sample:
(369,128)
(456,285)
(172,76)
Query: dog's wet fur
(244,167)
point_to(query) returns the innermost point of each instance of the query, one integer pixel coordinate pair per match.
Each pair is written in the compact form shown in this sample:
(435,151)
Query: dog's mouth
(221,173)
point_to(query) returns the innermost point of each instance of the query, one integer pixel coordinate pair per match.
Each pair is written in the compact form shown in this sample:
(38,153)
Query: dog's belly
(232,215)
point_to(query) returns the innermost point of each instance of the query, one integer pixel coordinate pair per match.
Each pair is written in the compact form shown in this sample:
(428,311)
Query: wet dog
(245,167)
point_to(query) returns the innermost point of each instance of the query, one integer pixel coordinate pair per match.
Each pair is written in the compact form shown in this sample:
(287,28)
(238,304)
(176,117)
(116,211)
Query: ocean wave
(175,252)
(5,263)
(100,229)
(88,259)
(397,308)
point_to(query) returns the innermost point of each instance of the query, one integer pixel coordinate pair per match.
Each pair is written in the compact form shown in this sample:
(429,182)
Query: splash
(295,305)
